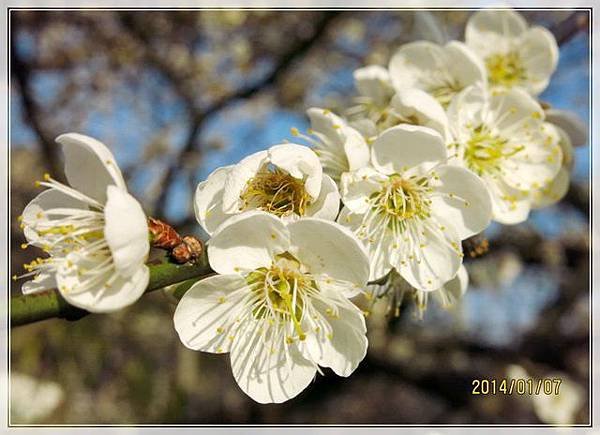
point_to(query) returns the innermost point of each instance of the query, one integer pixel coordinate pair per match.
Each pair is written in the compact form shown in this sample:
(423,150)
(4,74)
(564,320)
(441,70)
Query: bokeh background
(176,94)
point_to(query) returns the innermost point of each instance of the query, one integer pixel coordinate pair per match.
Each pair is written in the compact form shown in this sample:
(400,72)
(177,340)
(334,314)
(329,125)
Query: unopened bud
(163,234)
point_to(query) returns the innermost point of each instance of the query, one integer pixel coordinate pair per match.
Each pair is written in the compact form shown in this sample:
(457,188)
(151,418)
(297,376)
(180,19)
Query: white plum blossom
(441,71)
(286,180)
(503,138)
(515,55)
(279,303)
(340,147)
(411,209)
(94,231)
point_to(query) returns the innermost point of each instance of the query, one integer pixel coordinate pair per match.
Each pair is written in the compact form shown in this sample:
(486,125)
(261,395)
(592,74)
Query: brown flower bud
(163,234)
(181,253)
(194,245)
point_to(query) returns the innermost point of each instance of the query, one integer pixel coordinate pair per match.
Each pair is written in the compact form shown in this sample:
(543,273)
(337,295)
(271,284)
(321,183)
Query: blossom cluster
(438,144)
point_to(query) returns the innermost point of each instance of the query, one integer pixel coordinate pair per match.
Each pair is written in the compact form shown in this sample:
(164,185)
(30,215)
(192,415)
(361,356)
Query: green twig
(27,309)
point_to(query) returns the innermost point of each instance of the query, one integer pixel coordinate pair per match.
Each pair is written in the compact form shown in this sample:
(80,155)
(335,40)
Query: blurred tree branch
(569,28)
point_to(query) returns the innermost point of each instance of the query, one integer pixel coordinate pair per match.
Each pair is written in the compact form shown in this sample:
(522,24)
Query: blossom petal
(515,110)
(491,31)
(208,200)
(373,81)
(327,205)
(205,316)
(570,123)
(344,346)
(90,166)
(300,162)
(380,249)
(411,65)
(123,291)
(465,202)
(246,242)
(404,147)
(39,283)
(431,258)
(358,186)
(238,178)
(327,248)
(454,289)
(36,210)
(346,143)
(268,369)
(464,65)
(466,110)
(553,192)
(125,231)
(427,26)
(423,108)
(509,205)
(539,52)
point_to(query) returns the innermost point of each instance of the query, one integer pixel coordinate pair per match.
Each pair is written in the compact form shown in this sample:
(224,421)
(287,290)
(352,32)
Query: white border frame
(301,4)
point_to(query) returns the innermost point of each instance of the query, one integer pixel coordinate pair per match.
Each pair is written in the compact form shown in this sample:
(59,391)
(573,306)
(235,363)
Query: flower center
(505,69)
(485,151)
(282,288)
(403,198)
(275,191)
